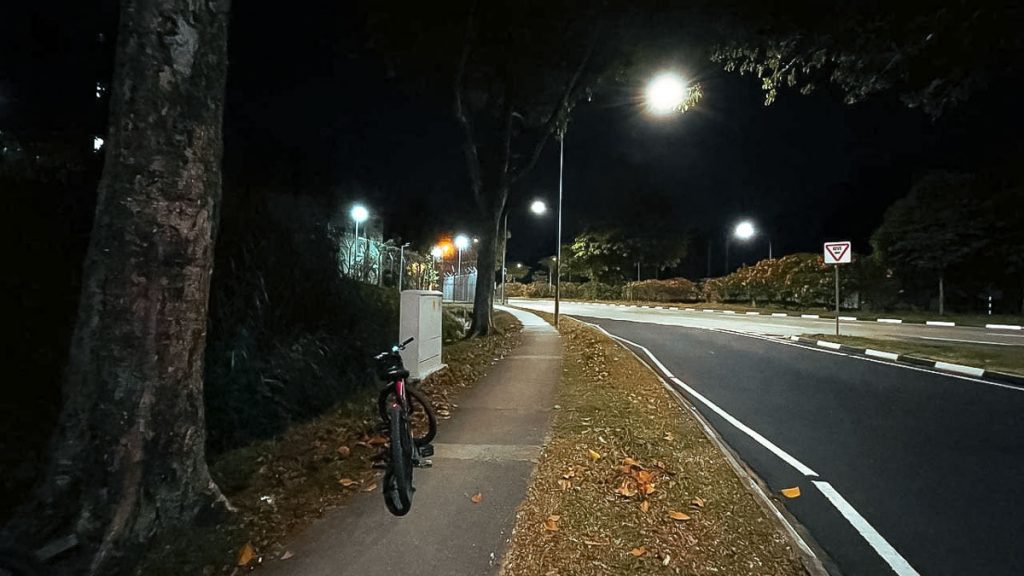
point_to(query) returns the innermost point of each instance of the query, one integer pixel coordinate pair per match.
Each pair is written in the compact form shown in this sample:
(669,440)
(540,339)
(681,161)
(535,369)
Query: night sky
(314,109)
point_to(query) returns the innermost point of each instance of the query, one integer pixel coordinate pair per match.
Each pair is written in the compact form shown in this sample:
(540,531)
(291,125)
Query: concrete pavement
(783,326)
(490,446)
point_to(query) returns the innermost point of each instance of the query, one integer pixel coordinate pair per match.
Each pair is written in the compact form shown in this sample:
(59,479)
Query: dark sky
(312,108)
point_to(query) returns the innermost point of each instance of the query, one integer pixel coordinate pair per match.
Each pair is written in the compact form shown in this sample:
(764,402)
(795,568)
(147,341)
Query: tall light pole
(537,207)
(401,264)
(461,243)
(743,231)
(437,253)
(359,214)
(666,94)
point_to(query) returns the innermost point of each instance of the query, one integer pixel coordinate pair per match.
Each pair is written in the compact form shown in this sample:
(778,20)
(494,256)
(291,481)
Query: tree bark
(128,456)
(483,299)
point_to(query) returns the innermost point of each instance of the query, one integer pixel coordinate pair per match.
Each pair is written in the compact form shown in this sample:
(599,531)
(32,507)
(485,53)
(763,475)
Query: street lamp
(539,208)
(359,214)
(743,231)
(666,93)
(461,243)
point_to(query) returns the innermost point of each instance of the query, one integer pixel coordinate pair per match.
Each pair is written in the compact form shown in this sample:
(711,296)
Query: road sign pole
(837,298)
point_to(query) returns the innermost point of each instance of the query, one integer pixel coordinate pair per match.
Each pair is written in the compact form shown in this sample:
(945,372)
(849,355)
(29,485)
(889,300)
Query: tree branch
(469,146)
(557,112)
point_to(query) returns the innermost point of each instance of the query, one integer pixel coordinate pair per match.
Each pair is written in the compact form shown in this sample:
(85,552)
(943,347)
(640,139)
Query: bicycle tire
(398,478)
(415,397)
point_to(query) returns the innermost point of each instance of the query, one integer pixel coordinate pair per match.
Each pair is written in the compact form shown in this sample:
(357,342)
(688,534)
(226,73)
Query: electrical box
(420,317)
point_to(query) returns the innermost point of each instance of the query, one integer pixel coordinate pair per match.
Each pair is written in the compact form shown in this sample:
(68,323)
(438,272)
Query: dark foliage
(289,337)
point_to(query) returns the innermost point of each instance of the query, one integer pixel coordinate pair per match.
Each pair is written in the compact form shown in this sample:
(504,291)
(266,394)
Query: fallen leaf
(629,462)
(626,489)
(666,560)
(668,436)
(564,484)
(551,524)
(288,554)
(648,489)
(645,506)
(698,502)
(344,452)
(793,492)
(377,441)
(644,476)
(246,554)
(594,456)
(347,482)
(476,498)
(638,551)
(569,474)
(678,515)
(370,488)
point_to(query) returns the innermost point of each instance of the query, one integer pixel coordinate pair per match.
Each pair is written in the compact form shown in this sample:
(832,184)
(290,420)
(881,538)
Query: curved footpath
(490,447)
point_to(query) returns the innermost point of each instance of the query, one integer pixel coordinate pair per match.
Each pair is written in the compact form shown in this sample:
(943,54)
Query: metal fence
(459,288)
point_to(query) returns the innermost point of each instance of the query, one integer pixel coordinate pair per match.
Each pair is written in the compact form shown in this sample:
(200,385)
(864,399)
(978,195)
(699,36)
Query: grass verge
(280,486)
(990,357)
(630,484)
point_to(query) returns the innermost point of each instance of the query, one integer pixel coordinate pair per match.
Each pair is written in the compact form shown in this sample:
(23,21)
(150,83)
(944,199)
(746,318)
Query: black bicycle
(411,424)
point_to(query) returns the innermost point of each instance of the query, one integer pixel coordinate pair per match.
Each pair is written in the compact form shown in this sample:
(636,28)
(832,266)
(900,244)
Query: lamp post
(437,253)
(743,231)
(359,214)
(666,94)
(401,264)
(537,207)
(461,243)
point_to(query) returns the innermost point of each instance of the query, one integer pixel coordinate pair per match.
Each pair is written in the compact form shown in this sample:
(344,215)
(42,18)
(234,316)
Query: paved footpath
(490,446)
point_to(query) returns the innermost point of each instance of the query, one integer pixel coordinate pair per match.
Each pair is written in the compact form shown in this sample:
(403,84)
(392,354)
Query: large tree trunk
(487,255)
(128,457)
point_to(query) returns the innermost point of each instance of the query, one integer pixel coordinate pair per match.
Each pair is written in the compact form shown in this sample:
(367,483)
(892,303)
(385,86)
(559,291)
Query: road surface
(902,470)
(785,326)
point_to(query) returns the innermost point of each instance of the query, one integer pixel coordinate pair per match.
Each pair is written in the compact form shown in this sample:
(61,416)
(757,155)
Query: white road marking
(1003,326)
(779,314)
(969,370)
(890,320)
(753,313)
(829,345)
(893,558)
(848,318)
(814,316)
(728,312)
(880,354)
(939,323)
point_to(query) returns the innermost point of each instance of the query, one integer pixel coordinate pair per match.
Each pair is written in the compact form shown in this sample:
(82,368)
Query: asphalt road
(901,470)
(786,326)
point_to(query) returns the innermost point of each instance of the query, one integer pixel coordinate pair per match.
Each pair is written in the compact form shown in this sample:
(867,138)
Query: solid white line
(1003,326)
(890,321)
(893,558)
(939,323)
(779,314)
(829,345)
(969,370)
(810,316)
(848,318)
(880,354)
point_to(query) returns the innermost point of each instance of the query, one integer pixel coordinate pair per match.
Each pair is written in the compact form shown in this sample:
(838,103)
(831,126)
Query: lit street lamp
(743,231)
(666,93)
(538,207)
(359,214)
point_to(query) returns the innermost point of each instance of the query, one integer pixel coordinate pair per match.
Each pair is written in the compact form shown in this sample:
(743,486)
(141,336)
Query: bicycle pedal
(426,450)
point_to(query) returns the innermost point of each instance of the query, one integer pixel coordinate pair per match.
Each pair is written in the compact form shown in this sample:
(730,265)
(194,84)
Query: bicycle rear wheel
(422,418)
(398,478)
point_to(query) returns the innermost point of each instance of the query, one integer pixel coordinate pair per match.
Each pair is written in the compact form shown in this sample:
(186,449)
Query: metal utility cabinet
(420,317)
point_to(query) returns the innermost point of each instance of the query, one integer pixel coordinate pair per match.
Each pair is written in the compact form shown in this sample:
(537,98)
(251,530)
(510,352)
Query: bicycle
(402,407)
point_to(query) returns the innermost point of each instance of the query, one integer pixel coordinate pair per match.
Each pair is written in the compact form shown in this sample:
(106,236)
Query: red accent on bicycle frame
(399,391)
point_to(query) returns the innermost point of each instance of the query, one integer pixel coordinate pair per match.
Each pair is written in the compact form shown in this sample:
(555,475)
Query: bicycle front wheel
(422,418)
(398,478)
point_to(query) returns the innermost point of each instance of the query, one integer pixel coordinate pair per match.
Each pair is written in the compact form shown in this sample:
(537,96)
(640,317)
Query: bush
(452,326)
(289,337)
(672,290)
(599,291)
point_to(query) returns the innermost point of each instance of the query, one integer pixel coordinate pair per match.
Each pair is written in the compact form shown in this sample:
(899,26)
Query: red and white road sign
(838,253)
